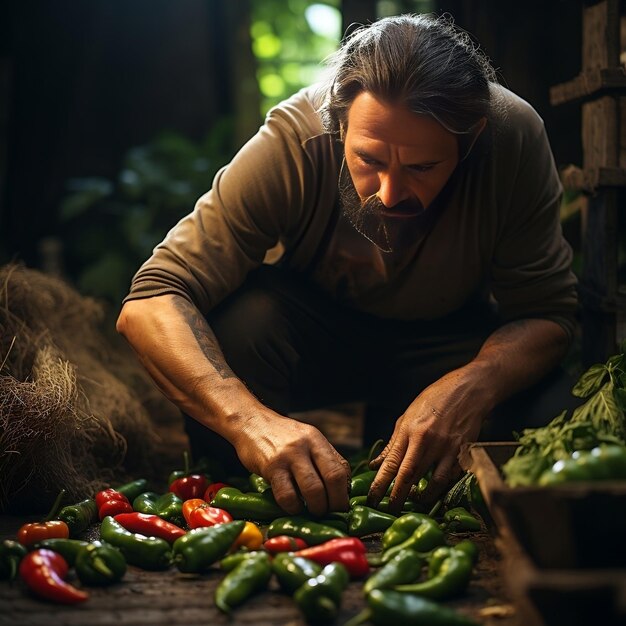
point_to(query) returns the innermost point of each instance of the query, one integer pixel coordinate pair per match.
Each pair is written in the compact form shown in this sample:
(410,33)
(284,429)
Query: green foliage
(111,227)
(601,419)
(290,40)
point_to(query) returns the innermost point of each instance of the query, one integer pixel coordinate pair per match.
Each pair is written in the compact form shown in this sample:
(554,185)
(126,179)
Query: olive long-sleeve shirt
(497,234)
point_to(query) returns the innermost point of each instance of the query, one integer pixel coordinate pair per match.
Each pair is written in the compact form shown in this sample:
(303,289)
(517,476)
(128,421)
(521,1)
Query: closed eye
(421,168)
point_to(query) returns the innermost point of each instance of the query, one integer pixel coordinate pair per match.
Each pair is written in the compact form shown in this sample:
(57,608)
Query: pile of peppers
(198,525)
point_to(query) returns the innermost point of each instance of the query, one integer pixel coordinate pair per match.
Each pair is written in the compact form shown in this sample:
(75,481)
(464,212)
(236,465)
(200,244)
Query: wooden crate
(563,547)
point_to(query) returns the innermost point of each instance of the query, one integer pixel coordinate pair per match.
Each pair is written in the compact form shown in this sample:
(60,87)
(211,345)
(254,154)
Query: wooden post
(601,86)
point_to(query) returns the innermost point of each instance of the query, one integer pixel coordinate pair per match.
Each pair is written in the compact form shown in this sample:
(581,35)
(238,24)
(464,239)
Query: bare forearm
(179,350)
(517,355)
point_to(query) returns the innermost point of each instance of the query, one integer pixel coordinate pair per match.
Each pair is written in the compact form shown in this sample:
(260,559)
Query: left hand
(430,433)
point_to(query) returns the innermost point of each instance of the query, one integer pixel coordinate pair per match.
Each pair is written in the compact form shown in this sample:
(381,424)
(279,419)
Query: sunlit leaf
(590,381)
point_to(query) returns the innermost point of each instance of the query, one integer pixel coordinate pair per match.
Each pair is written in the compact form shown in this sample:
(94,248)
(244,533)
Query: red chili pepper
(150,525)
(349,551)
(198,514)
(189,487)
(29,534)
(284,543)
(112,502)
(43,571)
(212,490)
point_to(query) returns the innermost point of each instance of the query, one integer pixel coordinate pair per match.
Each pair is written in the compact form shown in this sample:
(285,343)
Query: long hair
(422,61)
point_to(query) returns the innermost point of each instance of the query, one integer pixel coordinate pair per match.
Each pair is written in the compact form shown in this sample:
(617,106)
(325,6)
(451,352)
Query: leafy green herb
(601,419)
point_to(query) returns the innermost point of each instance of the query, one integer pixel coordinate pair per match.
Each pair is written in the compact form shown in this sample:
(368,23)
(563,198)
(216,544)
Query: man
(414,204)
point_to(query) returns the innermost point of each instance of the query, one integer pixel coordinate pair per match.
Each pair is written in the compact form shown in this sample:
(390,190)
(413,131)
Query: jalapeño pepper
(293,571)
(361,483)
(150,553)
(200,548)
(11,553)
(258,483)
(168,506)
(260,507)
(449,578)
(383,505)
(390,608)
(312,532)
(99,564)
(459,519)
(132,489)
(319,598)
(403,528)
(363,520)
(79,516)
(249,576)
(404,567)
(425,537)
(67,548)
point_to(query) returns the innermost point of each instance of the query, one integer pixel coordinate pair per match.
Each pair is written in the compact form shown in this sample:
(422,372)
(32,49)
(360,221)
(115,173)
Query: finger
(285,492)
(376,462)
(310,485)
(442,476)
(414,464)
(387,471)
(335,473)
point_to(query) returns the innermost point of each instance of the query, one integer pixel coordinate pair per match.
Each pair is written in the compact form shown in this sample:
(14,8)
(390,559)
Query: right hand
(297,460)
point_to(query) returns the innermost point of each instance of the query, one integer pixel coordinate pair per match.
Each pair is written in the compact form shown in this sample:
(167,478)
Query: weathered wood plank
(587,84)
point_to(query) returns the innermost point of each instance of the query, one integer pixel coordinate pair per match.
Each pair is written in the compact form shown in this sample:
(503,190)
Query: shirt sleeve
(256,201)
(531,270)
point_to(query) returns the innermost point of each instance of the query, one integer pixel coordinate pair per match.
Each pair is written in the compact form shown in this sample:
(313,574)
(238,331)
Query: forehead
(372,121)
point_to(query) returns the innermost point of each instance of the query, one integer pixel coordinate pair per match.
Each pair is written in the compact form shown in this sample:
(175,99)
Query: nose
(392,189)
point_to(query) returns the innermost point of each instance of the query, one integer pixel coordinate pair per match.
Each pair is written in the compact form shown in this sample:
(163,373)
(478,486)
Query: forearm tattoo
(205,337)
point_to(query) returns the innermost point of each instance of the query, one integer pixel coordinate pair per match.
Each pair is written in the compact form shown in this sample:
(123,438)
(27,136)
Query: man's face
(398,160)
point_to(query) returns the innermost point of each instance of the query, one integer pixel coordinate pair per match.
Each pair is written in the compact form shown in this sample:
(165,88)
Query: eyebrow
(364,153)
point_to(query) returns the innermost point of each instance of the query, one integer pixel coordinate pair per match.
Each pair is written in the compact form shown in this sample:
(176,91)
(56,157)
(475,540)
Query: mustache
(411,206)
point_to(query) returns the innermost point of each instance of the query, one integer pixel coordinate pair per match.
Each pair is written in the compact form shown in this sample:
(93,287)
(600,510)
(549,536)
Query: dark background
(83,82)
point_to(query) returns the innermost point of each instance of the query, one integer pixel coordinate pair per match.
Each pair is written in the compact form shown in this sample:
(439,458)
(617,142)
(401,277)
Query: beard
(389,233)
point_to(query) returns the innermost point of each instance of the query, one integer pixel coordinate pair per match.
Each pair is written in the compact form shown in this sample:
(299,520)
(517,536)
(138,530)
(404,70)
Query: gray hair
(423,61)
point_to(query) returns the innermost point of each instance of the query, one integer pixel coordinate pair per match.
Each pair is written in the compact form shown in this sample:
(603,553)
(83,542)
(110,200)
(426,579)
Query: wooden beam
(589,83)
(576,178)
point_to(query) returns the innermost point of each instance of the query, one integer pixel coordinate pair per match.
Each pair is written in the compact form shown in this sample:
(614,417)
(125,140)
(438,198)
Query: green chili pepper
(425,537)
(319,598)
(404,567)
(200,548)
(390,608)
(293,571)
(312,532)
(605,462)
(258,484)
(99,564)
(67,548)
(168,506)
(449,577)
(459,519)
(338,520)
(260,507)
(249,576)
(361,483)
(79,516)
(146,552)
(230,561)
(363,520)
(402,528)
(383,505)
(132,489)
(11,553)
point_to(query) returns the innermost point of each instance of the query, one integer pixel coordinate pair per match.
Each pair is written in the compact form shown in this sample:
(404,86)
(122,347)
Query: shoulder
(299,115)
(513,119)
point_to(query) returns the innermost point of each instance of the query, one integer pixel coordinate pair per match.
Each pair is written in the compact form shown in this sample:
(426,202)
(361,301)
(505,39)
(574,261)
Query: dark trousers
(297,349)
